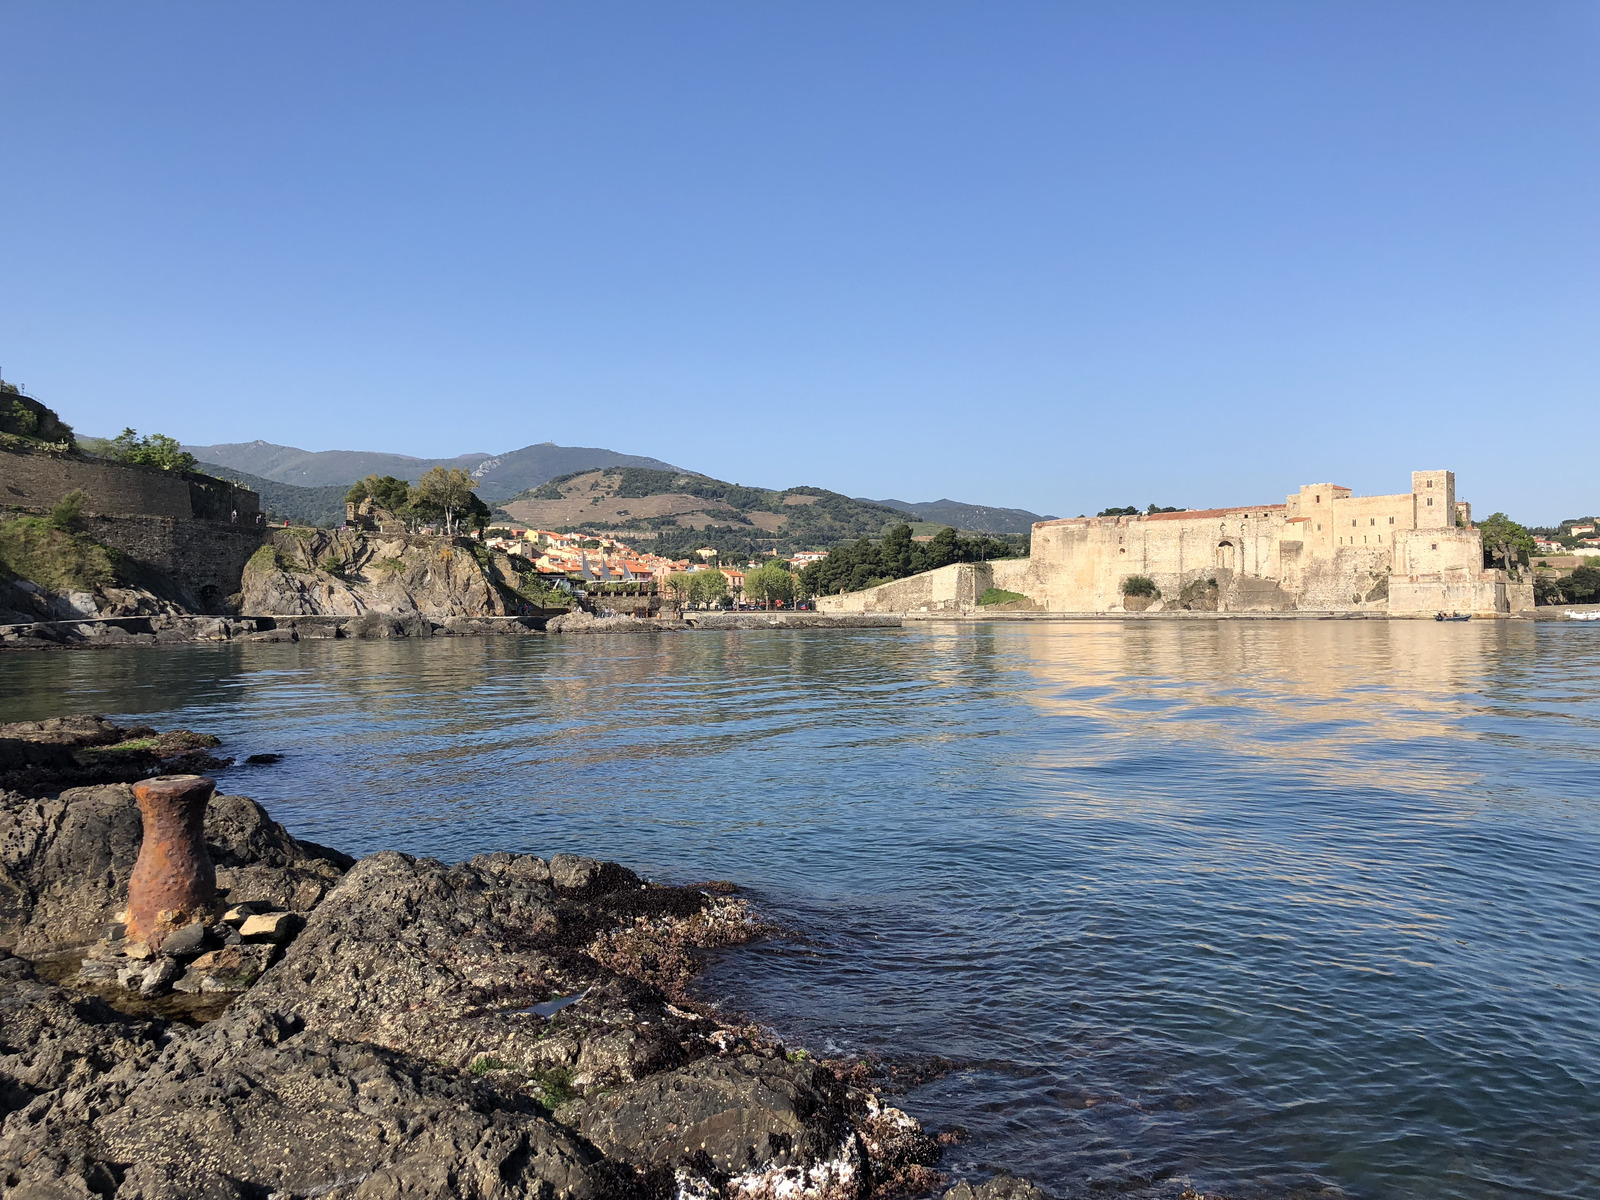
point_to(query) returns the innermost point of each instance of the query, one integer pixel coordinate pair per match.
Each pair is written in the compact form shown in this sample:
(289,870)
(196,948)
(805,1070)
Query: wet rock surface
(509,1026)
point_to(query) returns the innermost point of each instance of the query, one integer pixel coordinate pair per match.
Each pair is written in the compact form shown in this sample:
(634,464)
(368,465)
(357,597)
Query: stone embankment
(582,622)
(510,1026)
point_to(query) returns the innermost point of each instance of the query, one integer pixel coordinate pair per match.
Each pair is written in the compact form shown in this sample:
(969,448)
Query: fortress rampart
(1323,550)
(180,523)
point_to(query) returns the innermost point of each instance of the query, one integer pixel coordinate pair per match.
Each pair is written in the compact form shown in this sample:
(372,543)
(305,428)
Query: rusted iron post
(174,881)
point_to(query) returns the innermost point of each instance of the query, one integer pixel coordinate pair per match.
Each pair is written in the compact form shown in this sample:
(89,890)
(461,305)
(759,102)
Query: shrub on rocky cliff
(1140,585)
(36,549)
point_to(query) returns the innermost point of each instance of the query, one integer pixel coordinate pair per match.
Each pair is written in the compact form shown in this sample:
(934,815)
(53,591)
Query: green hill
(302,505)
(676,512)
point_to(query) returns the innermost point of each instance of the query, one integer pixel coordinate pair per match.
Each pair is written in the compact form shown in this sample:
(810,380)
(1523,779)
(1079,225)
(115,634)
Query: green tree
(1139,585)
(156,450)
(386,492)
(446,491)
(707,587)
(679,586)
(1505,542)
(768,583)
(1583,585)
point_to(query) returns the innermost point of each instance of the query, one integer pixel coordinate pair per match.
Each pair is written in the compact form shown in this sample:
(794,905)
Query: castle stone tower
(1434,494)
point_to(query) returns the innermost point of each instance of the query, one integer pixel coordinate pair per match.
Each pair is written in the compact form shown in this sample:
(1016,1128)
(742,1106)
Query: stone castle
(1323,550)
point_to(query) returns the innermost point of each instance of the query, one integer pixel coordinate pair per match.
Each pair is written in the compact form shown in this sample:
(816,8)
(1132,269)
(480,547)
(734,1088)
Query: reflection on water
(1261,906)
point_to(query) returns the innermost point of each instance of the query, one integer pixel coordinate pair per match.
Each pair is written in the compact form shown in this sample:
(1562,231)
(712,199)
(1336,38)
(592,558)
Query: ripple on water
(1266,907)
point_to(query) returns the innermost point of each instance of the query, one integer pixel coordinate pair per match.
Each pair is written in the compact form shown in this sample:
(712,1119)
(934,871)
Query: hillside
(673,512)
(500,475)
(975,518)
(302,505)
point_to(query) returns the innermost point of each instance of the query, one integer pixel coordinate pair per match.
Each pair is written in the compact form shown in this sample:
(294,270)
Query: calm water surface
(1307,908)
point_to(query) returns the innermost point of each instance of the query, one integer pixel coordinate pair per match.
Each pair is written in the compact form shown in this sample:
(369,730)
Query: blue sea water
(1265,908)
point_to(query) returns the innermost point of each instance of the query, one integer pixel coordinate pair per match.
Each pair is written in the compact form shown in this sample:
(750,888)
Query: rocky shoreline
(171,630)
(510,1026)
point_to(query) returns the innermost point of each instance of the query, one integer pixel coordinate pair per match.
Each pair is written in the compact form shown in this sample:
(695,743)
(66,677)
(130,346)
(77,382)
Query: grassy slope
(662,509)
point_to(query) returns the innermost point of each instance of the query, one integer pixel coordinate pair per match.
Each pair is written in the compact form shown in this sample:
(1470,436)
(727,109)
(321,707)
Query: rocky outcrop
(433,1030)
(45,756)
(305,572)
(23,601)
(65,862)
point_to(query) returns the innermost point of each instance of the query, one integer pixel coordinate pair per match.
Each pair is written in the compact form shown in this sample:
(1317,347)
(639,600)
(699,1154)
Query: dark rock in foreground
(507,1027)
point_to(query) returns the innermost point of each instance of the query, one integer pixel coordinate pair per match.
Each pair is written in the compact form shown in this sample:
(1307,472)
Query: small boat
(1577,616)
(1452,616)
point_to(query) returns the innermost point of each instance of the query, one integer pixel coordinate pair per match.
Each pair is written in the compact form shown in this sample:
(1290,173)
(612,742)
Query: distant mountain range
(303,505)
(979,518)
(309,485)
(500,476)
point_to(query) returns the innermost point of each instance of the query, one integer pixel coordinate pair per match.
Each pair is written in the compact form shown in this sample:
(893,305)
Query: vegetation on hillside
(443,494)
(53,553)
(730,514)
(867,563)
(1505,543)
(154,450)
(24,417)
(996,595)
(1581,586)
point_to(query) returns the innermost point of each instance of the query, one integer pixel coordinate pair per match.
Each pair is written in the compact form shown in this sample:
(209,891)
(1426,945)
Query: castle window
(1372,521)
(1391,520)
(1430,501)
(1430,483)
(1434,546)
(1319,499)
(1319,528)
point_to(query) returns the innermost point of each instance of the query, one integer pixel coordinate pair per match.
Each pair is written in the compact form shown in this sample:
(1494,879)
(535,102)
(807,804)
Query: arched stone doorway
(1226,556)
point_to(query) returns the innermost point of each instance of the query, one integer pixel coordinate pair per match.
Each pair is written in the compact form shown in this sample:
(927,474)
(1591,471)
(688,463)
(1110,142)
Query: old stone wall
(206,558)
(34,481)
(955,588)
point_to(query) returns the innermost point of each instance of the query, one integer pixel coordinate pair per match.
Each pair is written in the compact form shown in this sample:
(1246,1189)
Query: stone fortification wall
(206,559)
(178,524)
(955,588)
(1080,563)
(35,481)
(1323,550)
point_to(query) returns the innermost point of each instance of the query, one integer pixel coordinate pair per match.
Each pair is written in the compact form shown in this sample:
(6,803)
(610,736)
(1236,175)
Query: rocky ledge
(509,1026)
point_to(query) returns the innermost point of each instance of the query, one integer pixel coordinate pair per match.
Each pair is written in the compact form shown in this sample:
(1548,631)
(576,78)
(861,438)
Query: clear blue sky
(1056,255)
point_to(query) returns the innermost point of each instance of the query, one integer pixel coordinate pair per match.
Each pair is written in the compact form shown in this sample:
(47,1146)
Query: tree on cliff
(447,492)
(1505,542)
(156,450)
(386,492)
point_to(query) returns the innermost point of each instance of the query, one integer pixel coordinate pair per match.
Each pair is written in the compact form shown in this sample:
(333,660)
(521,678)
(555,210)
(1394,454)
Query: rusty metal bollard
(174,882)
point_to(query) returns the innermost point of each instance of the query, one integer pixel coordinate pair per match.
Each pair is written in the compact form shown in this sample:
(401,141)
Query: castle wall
(206,558)
(178,523)
(36,481)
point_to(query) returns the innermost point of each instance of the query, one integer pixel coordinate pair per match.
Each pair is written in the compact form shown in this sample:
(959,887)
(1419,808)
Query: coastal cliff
(317,572)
